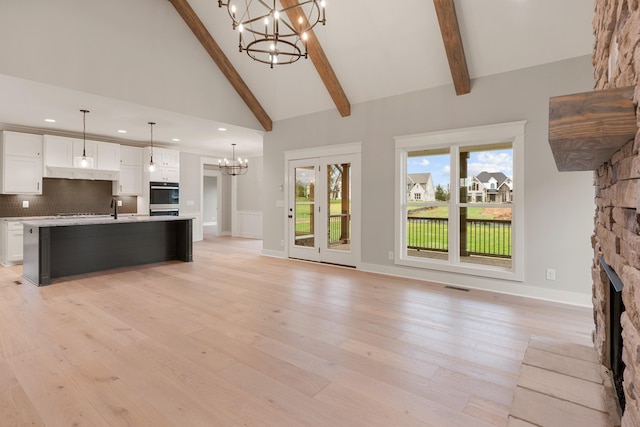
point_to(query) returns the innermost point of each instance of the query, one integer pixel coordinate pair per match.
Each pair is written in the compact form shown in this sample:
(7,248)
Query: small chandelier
(83,161)
(272,36)
(233,167)
(152,166)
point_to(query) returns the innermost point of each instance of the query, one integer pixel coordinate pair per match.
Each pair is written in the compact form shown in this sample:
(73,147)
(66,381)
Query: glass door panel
(339,206)
(304,211)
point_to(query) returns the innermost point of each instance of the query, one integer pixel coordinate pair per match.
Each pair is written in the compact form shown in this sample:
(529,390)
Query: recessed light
(50,120)
(122,131)
(176,139)
(222,129)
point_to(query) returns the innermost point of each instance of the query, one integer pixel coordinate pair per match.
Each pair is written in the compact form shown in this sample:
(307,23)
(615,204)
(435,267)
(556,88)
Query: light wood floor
(237,339)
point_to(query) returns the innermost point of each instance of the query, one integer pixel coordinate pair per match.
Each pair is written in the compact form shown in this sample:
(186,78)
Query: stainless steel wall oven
(164,198)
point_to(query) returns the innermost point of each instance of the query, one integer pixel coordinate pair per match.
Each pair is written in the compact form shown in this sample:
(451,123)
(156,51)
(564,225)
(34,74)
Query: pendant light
(83,161)
(152,166)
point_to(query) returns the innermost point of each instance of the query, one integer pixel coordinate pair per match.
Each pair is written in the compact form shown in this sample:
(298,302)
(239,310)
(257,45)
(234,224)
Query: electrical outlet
(25,203)
(282,243)
(119,202)
(551,274)
(390,255)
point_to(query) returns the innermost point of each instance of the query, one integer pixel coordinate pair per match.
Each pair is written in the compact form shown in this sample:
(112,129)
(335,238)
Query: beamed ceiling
(368,50)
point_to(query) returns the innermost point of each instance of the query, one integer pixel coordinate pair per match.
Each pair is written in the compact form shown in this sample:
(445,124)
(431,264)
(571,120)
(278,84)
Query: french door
(323,209)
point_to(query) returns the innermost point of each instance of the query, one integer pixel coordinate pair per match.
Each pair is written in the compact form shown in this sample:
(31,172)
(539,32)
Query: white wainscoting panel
(250,224)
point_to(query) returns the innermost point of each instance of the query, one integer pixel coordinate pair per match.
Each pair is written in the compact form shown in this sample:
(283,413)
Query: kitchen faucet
(114,205)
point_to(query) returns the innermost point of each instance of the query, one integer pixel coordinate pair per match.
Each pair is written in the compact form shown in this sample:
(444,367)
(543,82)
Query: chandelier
(233,167)
(273,35)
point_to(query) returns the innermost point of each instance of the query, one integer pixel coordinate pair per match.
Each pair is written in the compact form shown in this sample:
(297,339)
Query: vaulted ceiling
(372,49)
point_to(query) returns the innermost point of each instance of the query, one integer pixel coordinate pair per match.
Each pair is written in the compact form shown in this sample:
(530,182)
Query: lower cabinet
(11,242)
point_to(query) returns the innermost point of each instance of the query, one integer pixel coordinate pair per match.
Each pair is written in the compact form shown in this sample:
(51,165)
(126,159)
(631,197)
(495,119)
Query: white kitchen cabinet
(130,156)
(166,157)
(60,152)
(11,242)
(164,173)
(167,164)
(107,156)
(21,163)
(130,180)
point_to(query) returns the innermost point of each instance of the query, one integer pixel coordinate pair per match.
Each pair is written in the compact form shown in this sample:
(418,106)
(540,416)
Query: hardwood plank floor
(238,339)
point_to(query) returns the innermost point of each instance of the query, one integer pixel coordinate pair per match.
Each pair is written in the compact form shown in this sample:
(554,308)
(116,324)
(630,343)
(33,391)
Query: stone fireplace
(616,239)
(598,131)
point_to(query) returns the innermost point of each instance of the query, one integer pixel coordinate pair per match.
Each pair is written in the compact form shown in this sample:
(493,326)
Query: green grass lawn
(435,236)
(498,241)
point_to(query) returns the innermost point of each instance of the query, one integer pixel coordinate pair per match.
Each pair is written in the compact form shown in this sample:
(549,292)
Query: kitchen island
(55,248)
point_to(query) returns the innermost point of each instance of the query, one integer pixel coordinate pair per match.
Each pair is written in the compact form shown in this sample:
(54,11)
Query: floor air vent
(455,288)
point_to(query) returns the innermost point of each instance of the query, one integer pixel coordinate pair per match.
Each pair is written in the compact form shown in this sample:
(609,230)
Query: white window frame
(513,132)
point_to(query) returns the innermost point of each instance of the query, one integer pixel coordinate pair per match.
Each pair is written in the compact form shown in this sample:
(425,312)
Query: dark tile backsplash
(67,196)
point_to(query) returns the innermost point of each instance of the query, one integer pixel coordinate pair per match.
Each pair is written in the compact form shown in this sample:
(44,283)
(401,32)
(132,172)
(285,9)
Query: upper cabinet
(108,156)
(130,180)
(167,164)
(130,156)
(21,163)
(60,154)
(166,157)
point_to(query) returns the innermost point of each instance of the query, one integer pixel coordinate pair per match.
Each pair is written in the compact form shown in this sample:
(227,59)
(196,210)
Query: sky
(480,161)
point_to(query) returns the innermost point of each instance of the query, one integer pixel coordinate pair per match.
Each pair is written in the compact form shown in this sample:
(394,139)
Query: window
(474,224)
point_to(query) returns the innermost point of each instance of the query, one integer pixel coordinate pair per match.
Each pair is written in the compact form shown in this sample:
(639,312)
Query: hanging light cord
(84,135)
(151,123)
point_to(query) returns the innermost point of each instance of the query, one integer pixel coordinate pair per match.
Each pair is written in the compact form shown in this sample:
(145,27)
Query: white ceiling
(377,49)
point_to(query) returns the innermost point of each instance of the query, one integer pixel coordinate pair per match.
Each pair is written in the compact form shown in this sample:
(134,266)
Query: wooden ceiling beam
(221,60)
(448,20)
(321,62)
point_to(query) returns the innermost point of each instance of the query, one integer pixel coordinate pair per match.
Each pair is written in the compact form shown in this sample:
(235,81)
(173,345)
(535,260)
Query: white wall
(559,206)
(139,51)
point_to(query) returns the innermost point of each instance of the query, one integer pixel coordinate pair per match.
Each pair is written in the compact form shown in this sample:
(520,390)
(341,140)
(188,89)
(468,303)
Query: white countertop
(99,219)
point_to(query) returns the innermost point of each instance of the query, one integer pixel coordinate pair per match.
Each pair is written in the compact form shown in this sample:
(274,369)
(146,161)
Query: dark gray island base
(64,247)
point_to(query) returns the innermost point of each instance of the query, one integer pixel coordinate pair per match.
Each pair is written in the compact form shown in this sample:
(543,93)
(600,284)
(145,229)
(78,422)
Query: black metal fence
(336,234)
(486,237)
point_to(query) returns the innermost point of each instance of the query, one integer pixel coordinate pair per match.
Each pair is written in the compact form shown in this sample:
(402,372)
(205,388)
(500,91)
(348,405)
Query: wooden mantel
(586,129)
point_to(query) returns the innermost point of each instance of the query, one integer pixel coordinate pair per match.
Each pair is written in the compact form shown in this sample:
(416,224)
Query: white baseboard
(273,254)
(484,284)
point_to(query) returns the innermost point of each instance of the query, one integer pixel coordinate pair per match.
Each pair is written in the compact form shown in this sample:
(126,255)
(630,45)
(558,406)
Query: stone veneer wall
(616,62)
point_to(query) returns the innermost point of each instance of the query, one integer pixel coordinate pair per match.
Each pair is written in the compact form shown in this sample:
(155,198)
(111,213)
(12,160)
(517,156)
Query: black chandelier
(274,35)
(234,166)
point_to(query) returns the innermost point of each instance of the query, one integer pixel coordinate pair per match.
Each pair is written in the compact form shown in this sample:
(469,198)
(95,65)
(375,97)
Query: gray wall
(250,186)
(559,206)
(210,199)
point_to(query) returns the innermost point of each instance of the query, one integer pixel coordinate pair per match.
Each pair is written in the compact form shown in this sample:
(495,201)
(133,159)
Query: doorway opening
(214,206)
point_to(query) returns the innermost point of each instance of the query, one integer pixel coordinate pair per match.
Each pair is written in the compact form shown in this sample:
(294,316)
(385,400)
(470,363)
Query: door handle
(290,216)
